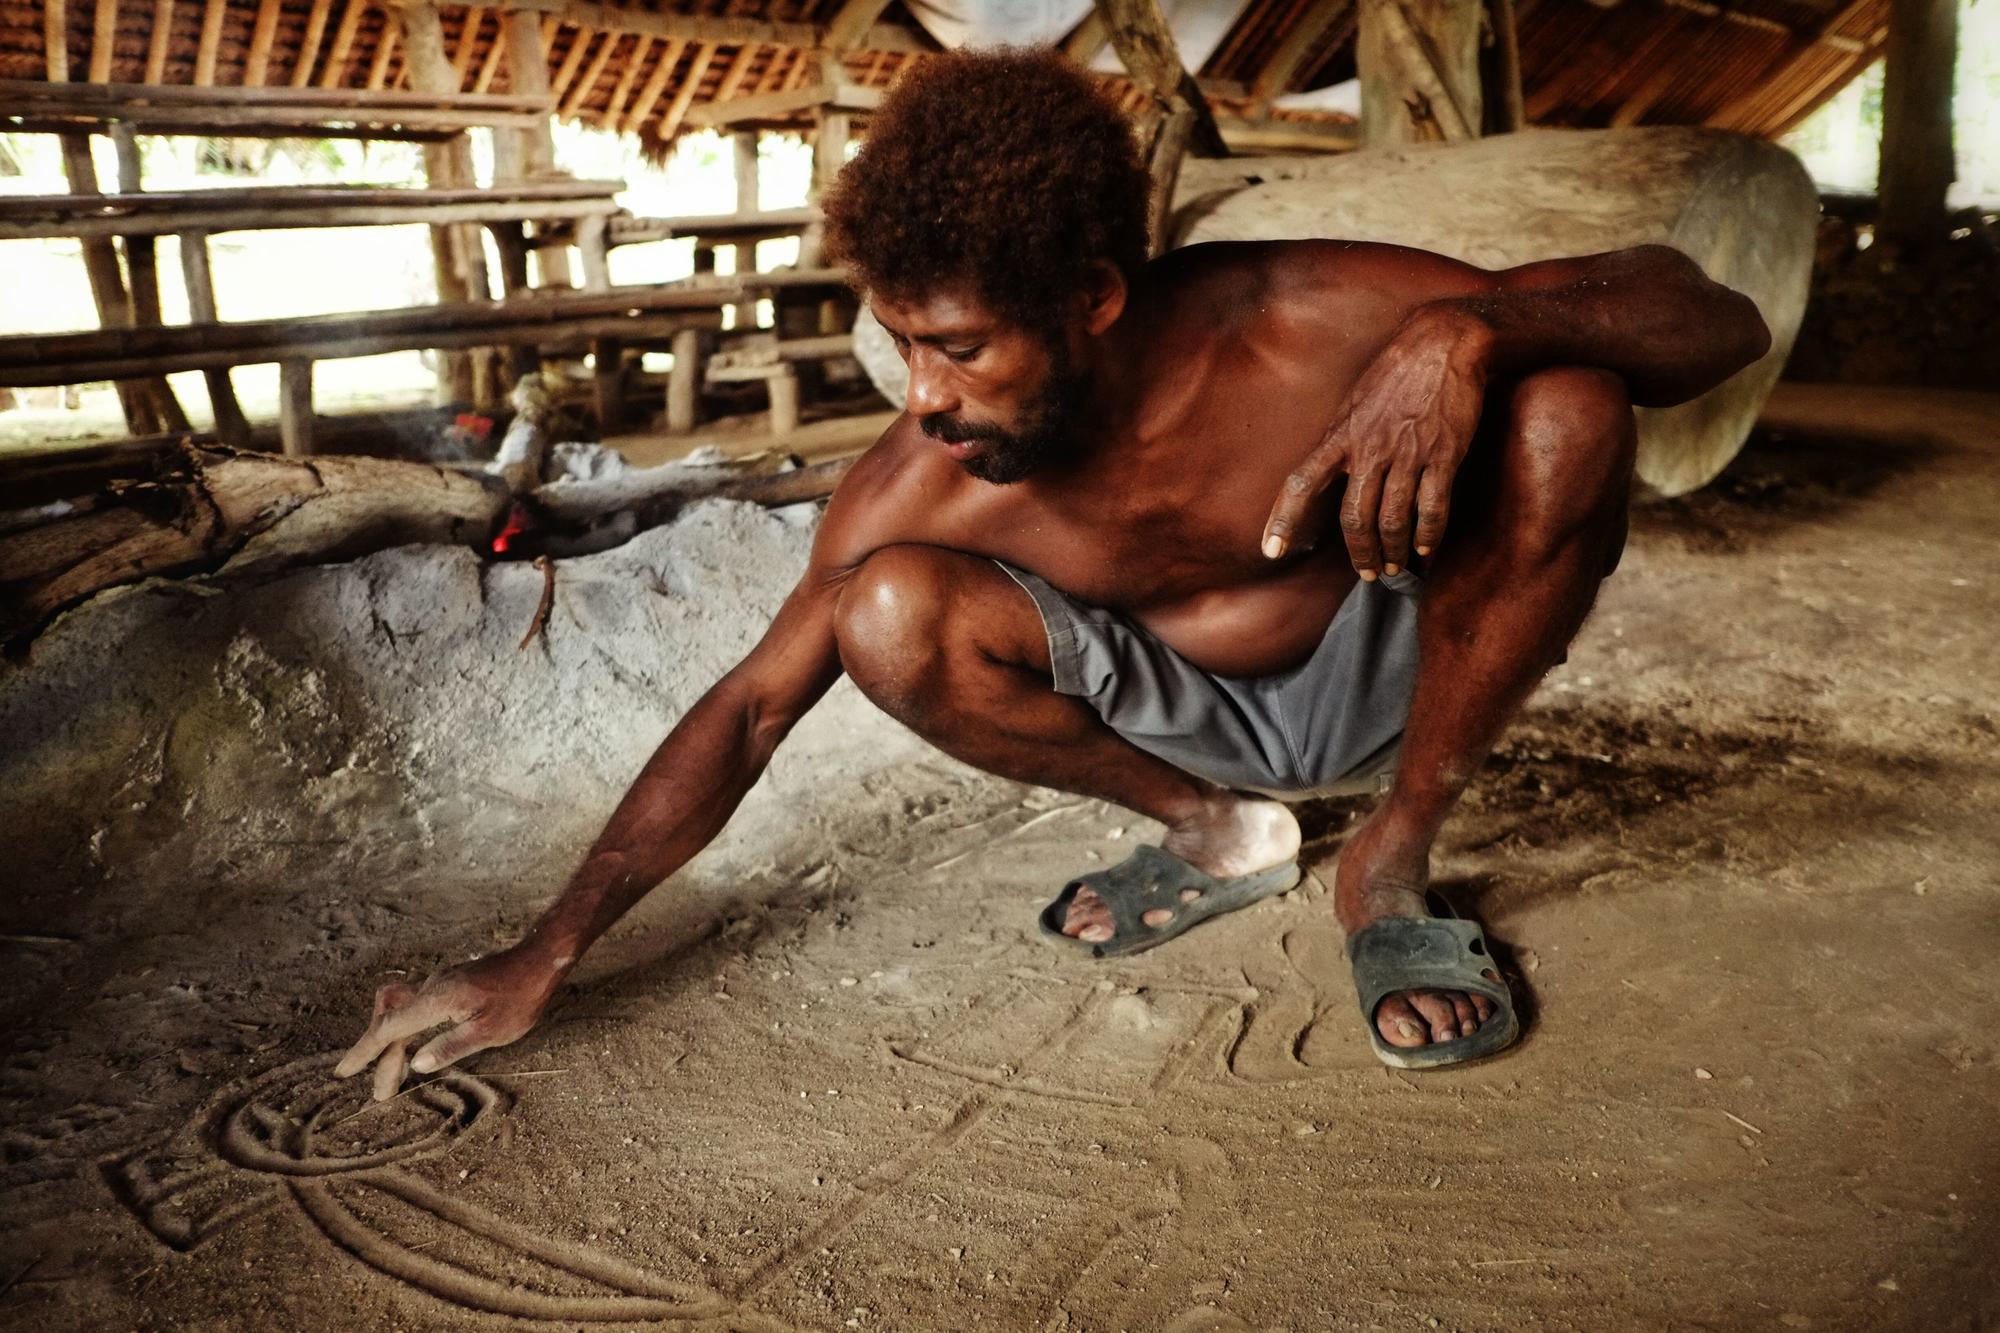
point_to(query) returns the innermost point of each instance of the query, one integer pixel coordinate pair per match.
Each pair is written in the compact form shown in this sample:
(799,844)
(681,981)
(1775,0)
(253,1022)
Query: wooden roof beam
(159,40)
(670,123)
(55,39)
(211,42)
(579,92)
(776,106)
(262,37)
(653,90)
(621,92)
(713,29)
(334,73)
(302,68)
(1088,38)
(1146,46)
(1275,78)
(103,41)
(851,22)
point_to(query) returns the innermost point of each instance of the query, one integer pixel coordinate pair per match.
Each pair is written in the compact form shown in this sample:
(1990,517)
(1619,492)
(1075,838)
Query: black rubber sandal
(1150,878)
(1401,953)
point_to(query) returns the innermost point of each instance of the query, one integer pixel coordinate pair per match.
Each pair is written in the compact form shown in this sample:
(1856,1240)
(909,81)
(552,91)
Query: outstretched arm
(679,802)
(1648,315)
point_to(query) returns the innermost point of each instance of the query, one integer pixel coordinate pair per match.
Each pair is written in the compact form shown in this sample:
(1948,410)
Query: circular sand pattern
(298,1121)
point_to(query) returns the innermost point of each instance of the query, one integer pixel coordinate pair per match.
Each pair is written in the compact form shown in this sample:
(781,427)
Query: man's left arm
(1648,315)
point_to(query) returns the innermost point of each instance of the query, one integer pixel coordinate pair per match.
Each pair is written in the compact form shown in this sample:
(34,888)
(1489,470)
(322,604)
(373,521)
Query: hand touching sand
(488,1002)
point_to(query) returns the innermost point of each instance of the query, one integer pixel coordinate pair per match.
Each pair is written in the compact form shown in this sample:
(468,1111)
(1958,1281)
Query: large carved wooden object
(1742,208)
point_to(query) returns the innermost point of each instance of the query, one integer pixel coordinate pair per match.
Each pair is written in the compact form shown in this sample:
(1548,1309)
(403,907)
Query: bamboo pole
(460,258)
(159,40)
(103,41)
(334,73)
(210,46)
(315,33)
(107,284)
(295,408)
(230,425)
(143,271)
(258,64)
(55,39)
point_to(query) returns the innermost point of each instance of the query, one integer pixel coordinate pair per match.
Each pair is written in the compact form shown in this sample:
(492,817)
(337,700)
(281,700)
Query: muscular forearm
(1648,315)
(679,802)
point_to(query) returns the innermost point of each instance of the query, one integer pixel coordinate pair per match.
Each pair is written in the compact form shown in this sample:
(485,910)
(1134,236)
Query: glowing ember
(518,522)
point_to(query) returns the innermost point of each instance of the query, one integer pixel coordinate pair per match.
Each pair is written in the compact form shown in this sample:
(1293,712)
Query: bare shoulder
(1304,283)
(893,494)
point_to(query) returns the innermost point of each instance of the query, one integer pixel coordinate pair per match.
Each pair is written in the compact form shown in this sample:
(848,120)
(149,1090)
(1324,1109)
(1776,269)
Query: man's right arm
(679,802)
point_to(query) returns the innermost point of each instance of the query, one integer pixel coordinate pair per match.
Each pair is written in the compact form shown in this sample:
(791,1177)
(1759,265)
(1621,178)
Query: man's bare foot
(1237,835)
(1379,876)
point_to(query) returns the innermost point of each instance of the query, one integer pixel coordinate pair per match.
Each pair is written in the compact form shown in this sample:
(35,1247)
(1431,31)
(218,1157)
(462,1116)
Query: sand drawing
(296,1140)
(1277,1037)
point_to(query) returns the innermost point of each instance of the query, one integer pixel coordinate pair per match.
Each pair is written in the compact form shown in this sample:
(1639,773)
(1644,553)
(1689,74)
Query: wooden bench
(672,314)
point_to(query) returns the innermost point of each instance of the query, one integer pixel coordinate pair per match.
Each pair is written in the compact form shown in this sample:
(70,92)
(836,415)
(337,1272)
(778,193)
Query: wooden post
(1419,64)
(744,144)
(829,155)
(461,261)
(230,425)
(1505,110)
(143,279)
(594,248)
(784,388)
(684,382)
(512,243)
(609,354)
(1145,44)
(1170,142)
(295,407)
(107,283)
(1918,161)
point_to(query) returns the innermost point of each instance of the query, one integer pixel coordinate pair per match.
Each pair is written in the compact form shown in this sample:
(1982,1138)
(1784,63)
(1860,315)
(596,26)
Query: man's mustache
(950,430)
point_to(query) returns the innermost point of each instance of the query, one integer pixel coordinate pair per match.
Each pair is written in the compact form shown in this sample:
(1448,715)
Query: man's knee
(1573,438)
(892,617)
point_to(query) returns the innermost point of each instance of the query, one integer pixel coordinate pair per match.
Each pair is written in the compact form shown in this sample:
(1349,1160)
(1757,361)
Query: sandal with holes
(1400,953)
(1153,878)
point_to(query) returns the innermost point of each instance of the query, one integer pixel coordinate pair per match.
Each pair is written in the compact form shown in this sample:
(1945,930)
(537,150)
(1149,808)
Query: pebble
(850,981)
(1703,1074)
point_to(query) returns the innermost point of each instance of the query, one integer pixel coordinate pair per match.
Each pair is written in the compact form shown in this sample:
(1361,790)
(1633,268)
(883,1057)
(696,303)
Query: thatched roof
(1759,66)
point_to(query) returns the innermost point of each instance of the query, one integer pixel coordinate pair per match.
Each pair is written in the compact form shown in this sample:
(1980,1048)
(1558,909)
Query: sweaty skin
(1407,383)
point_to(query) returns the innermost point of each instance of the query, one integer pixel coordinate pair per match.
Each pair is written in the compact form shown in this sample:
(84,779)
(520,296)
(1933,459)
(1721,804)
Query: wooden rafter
(654,88)
(1146,45)
(1089,38)
(732,82)
(334,74)
(580,93)
(211,42)
(159,40)
(714,29)
(55,39)
(378,69)
(572,61)
(315,33)
(489,68)
(469,25)
(621,92)
(670,123)
(1275,78)
(851,22)
(262,37)
(103,41)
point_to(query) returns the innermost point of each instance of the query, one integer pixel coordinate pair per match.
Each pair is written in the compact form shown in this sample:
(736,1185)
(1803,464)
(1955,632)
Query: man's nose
(930,390)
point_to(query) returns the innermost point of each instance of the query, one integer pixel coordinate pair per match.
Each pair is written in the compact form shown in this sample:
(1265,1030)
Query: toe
(1399,1024)
(1087,913)
(1482,1007)
(1436,1009)
(1468,1019)
(1158,917)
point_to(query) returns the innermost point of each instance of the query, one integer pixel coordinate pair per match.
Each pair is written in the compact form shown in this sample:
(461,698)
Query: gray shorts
(1330,722)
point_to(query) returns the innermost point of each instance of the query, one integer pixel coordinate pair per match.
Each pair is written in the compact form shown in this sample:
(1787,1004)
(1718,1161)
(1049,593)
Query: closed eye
(964,354)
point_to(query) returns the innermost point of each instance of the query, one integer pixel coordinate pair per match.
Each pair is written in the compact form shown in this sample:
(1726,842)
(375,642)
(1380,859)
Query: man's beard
(1044,436)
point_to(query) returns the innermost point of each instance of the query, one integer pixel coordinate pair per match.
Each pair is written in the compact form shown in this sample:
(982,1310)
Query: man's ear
(1103,296)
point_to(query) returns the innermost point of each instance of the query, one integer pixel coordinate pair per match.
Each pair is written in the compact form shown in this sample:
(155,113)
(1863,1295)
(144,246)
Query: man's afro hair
(1005,170)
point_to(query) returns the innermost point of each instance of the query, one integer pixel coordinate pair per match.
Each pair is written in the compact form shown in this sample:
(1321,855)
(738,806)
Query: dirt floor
(1742,852)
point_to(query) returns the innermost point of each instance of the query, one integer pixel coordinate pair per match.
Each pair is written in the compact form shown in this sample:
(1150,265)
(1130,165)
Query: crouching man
(1189,535)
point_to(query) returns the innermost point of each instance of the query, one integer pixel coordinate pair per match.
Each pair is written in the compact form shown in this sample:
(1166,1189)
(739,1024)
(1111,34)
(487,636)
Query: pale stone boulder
(1742,208)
